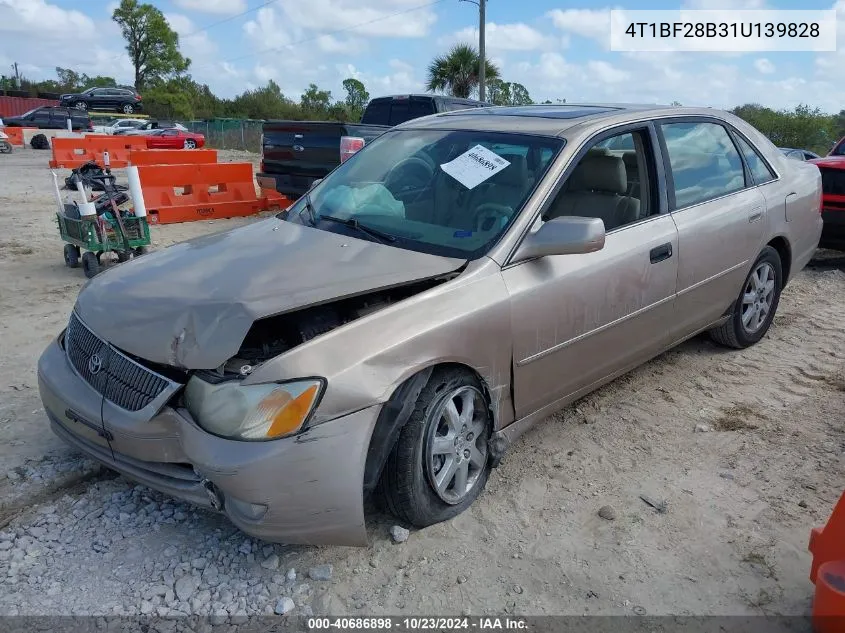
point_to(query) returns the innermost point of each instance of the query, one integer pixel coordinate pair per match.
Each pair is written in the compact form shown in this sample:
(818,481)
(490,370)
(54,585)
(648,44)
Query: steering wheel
(425,170)
(489,215)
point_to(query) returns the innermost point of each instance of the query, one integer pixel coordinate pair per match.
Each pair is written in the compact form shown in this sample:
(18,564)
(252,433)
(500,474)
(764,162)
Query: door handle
(659,253)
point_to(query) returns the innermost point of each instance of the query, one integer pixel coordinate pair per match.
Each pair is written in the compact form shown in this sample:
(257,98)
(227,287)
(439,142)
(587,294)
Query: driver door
(580,320)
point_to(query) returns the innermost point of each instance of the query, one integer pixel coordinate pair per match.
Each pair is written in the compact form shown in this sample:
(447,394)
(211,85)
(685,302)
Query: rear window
(377,112)
(400,112)
(421,107)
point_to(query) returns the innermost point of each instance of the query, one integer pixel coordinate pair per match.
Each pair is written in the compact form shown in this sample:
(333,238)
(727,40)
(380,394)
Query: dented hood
(192,304)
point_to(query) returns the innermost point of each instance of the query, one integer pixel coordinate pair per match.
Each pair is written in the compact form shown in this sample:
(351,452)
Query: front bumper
(833,231)
(305,489)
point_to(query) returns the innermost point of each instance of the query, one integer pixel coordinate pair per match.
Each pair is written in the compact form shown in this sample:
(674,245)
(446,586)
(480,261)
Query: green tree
(508,93)
(802,127)
(315,103)
(457,72)
(356,98)
(152,45)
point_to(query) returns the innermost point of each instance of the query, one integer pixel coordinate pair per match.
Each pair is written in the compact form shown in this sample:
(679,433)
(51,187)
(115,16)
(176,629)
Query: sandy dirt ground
(744,452)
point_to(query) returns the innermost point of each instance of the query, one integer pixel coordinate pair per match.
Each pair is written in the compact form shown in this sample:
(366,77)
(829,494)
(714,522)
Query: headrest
(600,151)
(599,173)
(630,159)
(515,174)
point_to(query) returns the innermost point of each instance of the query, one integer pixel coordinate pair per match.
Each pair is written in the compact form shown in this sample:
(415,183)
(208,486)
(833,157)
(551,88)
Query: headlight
(254,412)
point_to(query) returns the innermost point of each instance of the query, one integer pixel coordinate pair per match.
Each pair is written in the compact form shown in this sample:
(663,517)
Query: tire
(128,108)
(5,147)
(90,264)
(80,105)
(734,333)
(123,256)
(190,144)
(71,256)
(141,250)
(408,482)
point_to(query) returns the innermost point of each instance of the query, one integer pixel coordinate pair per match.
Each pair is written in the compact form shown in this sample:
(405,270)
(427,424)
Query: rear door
(58,118)
(41,118)
(720,215)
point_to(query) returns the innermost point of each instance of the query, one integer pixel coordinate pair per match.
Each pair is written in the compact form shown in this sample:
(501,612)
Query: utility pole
(17,76)
(481,60)
(482,63)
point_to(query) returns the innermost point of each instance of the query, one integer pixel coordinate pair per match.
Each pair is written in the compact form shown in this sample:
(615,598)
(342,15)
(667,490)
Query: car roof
(551,120)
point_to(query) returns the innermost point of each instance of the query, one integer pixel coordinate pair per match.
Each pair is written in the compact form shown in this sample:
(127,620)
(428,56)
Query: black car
(51,118)
(123,100)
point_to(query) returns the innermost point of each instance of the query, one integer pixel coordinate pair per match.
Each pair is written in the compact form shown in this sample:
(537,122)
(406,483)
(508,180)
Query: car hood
(192,304)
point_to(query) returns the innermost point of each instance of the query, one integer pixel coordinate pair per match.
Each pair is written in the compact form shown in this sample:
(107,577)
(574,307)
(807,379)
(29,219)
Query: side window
(421,107)
(759,169)
(615,185)
(704,161)
(41,116)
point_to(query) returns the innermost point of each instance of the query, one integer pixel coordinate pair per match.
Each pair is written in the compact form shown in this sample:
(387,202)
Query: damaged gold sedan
(458,279)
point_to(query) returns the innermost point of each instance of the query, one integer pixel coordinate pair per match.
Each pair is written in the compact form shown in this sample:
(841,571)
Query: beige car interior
(606,184)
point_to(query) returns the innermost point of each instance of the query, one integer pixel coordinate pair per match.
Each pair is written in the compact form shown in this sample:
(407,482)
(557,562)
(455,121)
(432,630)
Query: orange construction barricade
(71,153)
(827,545)
(186,193)
(172,156)
(15,134)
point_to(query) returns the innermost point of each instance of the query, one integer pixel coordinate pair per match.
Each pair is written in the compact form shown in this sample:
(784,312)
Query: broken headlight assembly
(252,412)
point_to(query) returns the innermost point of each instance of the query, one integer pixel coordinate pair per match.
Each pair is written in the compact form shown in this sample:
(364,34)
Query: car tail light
(90,124)
(349,145)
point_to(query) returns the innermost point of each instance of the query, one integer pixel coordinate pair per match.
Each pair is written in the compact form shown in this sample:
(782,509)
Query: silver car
(395,330)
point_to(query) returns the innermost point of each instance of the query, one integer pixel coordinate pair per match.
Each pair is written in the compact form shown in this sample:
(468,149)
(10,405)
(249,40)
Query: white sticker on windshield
(474,166)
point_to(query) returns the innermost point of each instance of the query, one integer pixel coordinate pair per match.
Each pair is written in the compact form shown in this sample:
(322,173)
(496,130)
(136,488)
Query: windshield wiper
(312,217)
(381,236)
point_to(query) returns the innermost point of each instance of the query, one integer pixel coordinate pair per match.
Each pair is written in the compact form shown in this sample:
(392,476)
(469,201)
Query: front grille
(117,377)
(833,181)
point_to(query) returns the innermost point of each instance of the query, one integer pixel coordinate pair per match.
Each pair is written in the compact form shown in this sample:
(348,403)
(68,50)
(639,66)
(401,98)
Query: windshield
(450,193)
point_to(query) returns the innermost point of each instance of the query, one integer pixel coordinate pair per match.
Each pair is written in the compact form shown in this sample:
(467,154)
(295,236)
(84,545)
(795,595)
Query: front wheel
(80,105)
(90,264)
(755,307)
(71,253)
(440,463)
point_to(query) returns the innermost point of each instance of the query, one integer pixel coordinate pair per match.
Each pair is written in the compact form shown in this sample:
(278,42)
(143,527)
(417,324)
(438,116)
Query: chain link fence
(243,134)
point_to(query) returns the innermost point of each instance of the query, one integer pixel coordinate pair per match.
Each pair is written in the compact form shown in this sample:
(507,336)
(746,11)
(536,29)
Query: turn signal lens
(287,414)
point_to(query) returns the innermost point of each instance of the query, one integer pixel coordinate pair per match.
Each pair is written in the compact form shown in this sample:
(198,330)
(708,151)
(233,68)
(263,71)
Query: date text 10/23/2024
(401,624)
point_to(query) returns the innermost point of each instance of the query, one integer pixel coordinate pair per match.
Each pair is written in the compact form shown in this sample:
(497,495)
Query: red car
(172,138)
(833,201)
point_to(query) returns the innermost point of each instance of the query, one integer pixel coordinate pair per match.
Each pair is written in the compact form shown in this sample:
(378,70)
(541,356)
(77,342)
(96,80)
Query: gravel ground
(687,487)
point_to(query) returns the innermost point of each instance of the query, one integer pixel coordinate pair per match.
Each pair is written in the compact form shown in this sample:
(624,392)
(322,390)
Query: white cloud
(225,7)
(374,18)
(764,66)
(705,5)
(197,46)
(41,35)
(606,72)
(504,37)
(592,23)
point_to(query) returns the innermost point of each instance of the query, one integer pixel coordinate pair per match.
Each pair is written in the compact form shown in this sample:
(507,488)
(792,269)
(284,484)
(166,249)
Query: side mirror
(565,235)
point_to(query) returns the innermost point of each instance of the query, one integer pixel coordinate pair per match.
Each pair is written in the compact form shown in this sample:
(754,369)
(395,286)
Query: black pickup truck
(296,153)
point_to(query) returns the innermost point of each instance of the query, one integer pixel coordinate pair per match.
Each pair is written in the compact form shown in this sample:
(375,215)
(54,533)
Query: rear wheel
(90,264)
(128,108)
(755,307)
(440,463)
(71,256)
(123,256)
(190,143)
(141,250)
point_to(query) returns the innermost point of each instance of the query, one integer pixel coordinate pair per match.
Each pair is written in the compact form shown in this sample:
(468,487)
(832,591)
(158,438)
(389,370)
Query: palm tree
(457,72)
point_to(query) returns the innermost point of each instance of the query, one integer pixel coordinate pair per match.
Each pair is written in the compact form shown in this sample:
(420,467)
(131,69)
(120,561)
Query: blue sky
(556,49)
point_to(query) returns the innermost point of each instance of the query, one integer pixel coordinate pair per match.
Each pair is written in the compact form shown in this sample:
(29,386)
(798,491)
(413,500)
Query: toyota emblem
(95,364)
